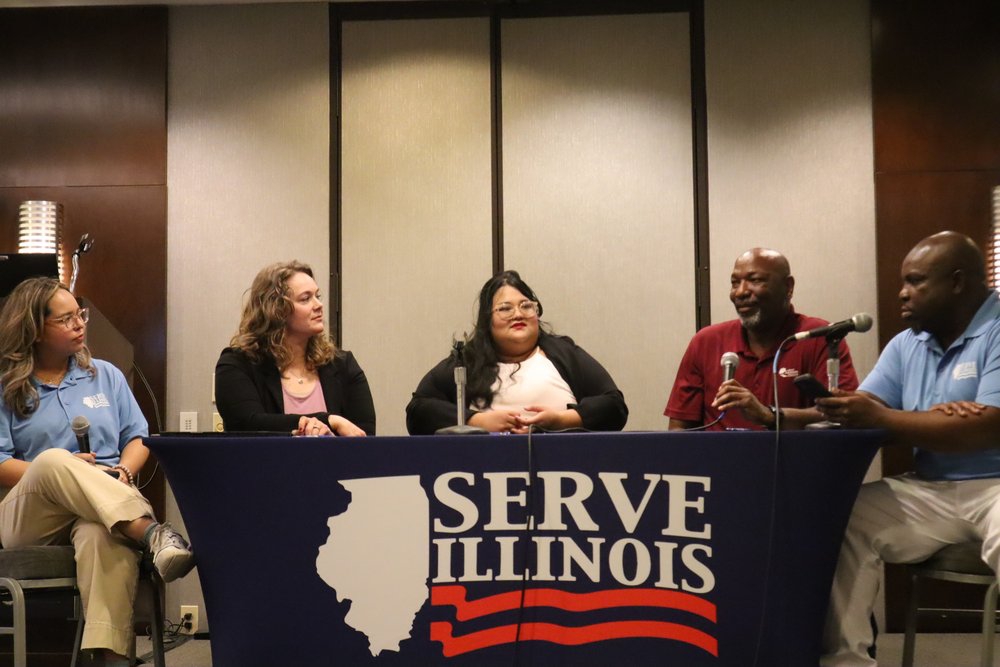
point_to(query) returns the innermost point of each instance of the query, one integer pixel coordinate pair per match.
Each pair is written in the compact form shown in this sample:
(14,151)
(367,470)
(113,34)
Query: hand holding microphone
(81,429)
(734,395)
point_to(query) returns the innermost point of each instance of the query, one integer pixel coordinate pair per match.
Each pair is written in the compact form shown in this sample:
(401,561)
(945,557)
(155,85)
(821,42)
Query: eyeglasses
(67,321)
(506,310)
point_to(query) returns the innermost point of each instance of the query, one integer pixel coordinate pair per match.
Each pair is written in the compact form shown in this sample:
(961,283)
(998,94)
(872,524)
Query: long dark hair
(480,352)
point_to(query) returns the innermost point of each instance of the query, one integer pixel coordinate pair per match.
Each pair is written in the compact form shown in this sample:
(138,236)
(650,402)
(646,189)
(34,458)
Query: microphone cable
(156,414)
(704,427)
(525,572)
(771,519)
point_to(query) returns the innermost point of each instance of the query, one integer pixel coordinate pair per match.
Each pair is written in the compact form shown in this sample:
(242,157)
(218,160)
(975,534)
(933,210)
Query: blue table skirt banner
(582,549)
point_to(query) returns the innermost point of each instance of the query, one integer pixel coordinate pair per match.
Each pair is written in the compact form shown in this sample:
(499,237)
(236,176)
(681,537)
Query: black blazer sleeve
(248,395)
(598,400)
(345,388)
(433,403)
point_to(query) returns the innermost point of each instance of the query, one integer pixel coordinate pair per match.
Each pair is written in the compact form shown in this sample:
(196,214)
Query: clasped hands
(518,421)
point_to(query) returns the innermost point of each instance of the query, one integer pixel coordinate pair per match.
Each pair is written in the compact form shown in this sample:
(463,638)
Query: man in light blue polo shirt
(936,388)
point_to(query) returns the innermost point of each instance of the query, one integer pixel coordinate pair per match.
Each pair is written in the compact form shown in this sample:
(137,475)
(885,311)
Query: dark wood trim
(699,128)
(496,142)
(335,284)
(369,11)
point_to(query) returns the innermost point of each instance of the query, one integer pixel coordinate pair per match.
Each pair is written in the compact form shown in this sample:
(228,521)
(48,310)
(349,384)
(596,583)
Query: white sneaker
(172,555)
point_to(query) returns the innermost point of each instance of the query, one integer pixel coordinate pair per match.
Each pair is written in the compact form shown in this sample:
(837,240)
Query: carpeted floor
(953,650)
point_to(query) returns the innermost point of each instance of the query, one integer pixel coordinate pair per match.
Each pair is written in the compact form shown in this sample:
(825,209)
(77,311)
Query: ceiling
(78,3)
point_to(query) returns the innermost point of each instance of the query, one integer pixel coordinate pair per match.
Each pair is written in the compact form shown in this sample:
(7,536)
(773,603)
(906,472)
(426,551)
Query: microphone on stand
(86,243)
(460,427)
(861,322)
(729,362)
(81,428)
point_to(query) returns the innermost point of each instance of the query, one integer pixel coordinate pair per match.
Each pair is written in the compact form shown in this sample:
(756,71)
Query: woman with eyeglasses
(54,493)
(519,374)
(282,373)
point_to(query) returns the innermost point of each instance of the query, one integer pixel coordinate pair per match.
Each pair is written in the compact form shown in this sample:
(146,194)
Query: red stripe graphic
(549,597)
(571,636)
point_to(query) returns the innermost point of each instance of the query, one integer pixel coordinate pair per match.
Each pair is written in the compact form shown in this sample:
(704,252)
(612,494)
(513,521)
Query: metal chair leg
(156,632)
(17,607)
(78,611)
(910,636)
(989,624)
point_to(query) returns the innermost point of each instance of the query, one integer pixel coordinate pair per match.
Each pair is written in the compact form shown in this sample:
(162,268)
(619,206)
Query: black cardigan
(600,403)
(248,395)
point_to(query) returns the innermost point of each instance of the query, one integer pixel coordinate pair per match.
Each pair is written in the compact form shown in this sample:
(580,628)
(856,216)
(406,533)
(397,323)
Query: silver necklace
(300,380)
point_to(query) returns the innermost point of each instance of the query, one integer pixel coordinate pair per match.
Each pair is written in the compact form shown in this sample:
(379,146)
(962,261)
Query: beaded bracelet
(128,473)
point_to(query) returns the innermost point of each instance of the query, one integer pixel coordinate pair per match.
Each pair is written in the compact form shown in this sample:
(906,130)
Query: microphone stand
(832,375)
(460,427)
(86,243)
(833,361)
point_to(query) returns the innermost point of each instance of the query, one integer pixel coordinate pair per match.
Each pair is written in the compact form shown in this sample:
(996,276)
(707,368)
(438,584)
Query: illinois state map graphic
(382,572)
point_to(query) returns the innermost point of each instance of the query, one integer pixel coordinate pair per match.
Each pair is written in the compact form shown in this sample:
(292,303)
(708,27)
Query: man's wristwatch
(775,412)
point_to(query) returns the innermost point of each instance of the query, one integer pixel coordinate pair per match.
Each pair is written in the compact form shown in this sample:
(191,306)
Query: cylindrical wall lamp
(993,252)
(40,229)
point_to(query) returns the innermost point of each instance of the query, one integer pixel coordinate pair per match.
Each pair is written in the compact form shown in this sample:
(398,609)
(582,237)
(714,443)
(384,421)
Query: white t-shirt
(535,381)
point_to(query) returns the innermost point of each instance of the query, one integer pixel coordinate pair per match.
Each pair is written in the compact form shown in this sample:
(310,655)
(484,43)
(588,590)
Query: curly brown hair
(21,322)
(262,326)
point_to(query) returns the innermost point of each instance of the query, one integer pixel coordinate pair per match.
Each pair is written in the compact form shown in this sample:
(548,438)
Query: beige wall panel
(790,154)
(416,202)
(598,213)
(790,151)
(248,182)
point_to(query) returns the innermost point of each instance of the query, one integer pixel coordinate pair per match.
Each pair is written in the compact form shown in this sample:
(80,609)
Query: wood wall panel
(83,122)
(936,102)
(935,68)
(83,96)
(912,205)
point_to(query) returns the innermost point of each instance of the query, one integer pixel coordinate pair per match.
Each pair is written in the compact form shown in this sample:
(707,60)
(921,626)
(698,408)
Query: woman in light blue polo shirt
(55,494)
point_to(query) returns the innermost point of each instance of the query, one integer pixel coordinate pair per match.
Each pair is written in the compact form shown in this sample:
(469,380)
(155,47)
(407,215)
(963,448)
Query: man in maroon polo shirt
(761,290)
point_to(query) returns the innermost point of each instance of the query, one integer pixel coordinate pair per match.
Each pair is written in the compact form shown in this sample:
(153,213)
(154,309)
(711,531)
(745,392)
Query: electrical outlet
(217,424)
(189,422)
(189,619)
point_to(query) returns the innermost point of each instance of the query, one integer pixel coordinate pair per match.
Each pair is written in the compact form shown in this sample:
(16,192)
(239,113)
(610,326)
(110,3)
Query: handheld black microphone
(81,427)
(729,362)
(861,322)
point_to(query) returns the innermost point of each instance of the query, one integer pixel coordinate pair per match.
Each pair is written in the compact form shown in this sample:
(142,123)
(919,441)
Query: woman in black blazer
(282,373)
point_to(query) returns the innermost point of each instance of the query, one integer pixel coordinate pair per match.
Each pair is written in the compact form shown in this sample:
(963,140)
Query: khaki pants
(62,499)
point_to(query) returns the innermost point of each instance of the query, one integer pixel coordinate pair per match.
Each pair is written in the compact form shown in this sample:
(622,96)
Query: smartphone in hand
(811,387)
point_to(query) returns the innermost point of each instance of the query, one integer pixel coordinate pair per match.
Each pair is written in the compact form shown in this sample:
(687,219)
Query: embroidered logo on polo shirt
(788,372)
(964,371)
(96,401)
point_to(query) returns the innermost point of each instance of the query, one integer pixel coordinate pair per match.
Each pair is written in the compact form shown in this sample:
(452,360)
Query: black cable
(156,414)
(771,519)
(525,572)
(707,426)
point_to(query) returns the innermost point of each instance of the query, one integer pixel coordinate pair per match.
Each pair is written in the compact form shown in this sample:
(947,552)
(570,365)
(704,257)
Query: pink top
(309,404)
